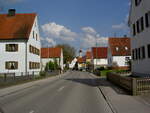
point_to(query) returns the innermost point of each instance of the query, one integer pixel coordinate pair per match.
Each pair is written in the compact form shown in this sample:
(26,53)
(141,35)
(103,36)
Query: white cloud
(89,30)
(90,38)
(123,25)
(55,33)
(51,41)
(58,31)
(119,26)
(48,41)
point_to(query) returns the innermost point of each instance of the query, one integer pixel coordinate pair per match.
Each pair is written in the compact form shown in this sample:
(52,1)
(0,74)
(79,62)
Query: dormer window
(117,48)
(126,48)
(137,2)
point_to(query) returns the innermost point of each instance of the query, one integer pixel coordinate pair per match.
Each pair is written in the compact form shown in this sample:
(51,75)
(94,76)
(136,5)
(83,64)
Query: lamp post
(96,48)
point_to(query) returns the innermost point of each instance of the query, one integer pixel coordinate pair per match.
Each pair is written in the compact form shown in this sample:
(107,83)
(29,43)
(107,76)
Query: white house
(19,43)
(99,57)
(119,52)
(52,54)
(139,22)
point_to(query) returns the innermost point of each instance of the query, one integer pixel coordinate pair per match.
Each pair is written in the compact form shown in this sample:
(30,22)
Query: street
(75,92)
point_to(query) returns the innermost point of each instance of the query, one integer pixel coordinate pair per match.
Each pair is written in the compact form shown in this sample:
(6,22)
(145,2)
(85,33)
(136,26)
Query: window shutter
(7,47)
(16,65)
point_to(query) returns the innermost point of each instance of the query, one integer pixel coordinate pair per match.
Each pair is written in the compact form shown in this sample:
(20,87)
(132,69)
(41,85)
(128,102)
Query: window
(117,48)
(147,19)
(134,30)
(36,37)
(148,50)
(33,34)
(137,26)
(133,54)
(143,52)
(139,53)
(126,48)
(137,2)
(11,47)
(34,65)
(136,54)
(11,65)
(141,24)
(34,50)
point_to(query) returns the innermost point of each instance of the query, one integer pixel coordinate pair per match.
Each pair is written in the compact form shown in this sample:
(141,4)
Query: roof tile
(16,27)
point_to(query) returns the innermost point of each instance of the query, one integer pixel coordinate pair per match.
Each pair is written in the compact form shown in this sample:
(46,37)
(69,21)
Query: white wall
(109,55)
(62,60)
(36,43)
(120,60)
(20,56)
(141,39)
(12,56)
(100,62)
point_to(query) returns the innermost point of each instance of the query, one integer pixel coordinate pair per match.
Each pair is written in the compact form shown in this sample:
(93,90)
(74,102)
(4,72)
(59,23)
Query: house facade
(139,22)
(99,57)
(19,43)
(88,56)
(52,54)
(81,63)
(119,52)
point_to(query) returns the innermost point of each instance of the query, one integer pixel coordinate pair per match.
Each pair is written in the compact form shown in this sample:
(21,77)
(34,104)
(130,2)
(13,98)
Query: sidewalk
(121,101)
(17,88)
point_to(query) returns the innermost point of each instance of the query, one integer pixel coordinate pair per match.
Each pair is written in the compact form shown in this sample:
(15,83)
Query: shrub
(42,73)
(51,66)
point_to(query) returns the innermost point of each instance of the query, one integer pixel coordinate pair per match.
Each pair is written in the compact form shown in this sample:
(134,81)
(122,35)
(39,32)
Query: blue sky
(78,22)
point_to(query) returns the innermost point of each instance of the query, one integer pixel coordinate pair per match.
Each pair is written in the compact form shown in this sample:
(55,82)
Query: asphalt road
(74,93)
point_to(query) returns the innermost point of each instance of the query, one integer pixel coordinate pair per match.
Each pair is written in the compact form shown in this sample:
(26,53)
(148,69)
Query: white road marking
(61,88)
(31,111)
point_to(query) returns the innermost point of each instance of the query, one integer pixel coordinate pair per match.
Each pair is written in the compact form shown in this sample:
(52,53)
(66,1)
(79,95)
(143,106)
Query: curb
(107,100)
(105,96)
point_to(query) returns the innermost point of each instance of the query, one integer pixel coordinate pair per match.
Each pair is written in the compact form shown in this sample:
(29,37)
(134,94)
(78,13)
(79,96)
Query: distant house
(19,43)
(52,54)
(99,55)
(88,56)
(139,22)
(119,52)
(81,62)
(88,60)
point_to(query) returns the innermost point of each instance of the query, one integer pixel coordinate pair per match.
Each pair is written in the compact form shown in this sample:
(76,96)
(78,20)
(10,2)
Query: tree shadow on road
(99,82)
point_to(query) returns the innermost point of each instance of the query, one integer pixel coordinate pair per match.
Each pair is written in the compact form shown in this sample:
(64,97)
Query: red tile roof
(80,60)
(88,55)
(16,27)
(120,46)
(99,52)
(51,52)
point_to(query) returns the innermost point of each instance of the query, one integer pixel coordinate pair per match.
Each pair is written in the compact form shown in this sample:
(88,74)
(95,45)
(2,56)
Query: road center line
(61,88)
(31,111)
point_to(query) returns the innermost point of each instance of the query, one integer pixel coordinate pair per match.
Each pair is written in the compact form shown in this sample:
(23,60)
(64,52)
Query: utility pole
(48,58)
(96,53)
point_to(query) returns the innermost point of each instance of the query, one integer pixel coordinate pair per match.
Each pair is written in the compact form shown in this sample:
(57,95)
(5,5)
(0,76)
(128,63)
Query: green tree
(69,52)
(52,65)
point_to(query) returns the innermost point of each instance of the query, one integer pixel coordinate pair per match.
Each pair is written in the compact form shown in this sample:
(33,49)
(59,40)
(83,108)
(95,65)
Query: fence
(22,76)
(136,86)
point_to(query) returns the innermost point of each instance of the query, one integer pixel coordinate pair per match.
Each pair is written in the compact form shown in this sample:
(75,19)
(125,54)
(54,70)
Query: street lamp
(97,36)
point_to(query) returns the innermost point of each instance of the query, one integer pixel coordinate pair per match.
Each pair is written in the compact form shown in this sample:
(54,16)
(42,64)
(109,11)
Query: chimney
(11,12)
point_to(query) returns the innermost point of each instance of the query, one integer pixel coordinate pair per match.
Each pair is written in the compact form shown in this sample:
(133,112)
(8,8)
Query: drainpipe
(26,59)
